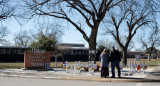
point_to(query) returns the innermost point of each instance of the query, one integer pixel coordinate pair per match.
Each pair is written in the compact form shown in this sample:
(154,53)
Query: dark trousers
(113,65)
(104,71)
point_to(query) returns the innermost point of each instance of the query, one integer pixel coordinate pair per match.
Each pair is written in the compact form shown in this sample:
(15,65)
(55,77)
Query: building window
(75,52)
(79,52)
(19,51)
(7,51)
(86,51)
(2,51)
(22,50)
(72,52)
(82,52)
(12,51)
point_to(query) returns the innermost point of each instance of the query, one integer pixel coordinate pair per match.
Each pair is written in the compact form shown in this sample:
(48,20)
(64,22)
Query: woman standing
(104,63)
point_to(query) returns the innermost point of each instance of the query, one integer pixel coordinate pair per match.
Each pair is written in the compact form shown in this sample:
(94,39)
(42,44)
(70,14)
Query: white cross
(121,66)
(144,66)
(131,67)
(67,66)
(134,66)
(78,66)
(91,66)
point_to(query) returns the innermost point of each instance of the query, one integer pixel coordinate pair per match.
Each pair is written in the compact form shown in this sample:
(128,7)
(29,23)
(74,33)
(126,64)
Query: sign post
(55,61)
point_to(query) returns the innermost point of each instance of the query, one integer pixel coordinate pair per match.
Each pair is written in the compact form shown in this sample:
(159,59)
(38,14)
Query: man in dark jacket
(115,58)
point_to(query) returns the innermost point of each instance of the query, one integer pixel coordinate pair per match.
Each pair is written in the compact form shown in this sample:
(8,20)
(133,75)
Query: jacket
(104,58)
(115,56)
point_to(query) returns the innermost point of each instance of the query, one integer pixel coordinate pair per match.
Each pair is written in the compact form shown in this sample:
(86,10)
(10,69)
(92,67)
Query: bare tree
(158,54)
(64,50)
(3,33)
(92,12)
(129,18)
(108,43)
(151,42)
(47,29)
(50,30)
(22,38)
(46,36)
(6,10)
(25,38)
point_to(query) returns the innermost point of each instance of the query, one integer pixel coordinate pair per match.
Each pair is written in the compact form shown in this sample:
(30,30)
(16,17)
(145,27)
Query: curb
(100,80)
(113,80)
(83,79)
(35,77)
(54,78)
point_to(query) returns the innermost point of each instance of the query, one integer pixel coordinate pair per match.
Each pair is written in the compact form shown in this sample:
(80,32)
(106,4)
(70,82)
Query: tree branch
(95,10)
(87,20)
(79,29)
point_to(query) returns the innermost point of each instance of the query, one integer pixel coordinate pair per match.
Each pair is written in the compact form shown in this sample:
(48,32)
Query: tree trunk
(63,59)
(150,54)
(92,51)
(124,59)
(92,46)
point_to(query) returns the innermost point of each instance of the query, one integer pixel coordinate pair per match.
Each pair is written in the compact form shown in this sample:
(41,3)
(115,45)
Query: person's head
(113,48)
(104,51)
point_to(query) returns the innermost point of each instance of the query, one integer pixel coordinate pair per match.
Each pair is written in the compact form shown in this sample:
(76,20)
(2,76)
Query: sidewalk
(150,75)
(155,74)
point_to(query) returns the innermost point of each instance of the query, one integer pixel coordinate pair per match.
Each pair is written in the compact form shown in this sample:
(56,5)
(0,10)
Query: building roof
(75,48)
(71,44)
(135,52)
(12,47)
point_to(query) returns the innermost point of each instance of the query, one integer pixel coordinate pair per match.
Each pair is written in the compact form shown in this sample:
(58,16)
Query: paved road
(12,81)
(155,74)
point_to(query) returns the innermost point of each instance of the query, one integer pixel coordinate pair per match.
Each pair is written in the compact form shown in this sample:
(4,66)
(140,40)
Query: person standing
(115,58)
(104,63)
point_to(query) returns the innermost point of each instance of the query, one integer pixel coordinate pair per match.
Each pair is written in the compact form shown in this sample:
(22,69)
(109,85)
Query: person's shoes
(112,76)
(119,77)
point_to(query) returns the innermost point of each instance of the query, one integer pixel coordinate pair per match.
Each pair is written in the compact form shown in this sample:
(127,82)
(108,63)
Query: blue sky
(71,35)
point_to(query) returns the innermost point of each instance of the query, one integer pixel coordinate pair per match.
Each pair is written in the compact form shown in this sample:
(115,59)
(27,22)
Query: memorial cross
(67,66)
(77,66)
(144,66)
(131,67)
(91,66)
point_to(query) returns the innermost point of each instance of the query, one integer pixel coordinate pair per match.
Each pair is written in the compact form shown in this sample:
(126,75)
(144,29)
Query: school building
(12,53)
(71,52)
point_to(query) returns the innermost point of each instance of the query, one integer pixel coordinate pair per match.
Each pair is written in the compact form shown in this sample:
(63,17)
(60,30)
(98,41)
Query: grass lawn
(150,63)
(17,65)
(14,65)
